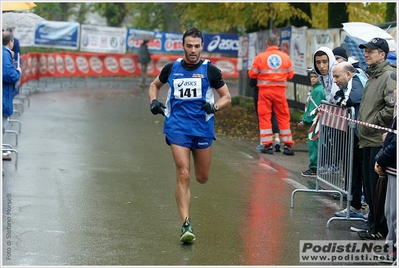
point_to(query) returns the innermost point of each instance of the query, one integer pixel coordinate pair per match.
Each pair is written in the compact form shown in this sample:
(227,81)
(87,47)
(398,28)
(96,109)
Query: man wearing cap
(376,107)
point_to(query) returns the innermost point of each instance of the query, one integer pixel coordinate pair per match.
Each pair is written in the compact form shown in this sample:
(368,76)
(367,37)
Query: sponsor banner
(25,35)
(298,50)
(163,42)
(221,43)
(251,52)
(172,42)
(103,39)
(36,65)
(57,34)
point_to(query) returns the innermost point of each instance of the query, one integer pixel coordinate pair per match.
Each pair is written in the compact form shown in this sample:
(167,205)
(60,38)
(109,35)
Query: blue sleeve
(10,74)
(356,93)
(17,50)
(387,157)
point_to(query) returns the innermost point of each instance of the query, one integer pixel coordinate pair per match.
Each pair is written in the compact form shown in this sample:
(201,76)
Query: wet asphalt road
(94,185)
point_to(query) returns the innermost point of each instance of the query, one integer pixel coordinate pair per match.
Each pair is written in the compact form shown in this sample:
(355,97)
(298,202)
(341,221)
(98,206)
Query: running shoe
(260,147)
(277,147)
(369,235)
(187,234)
(364,226)
(309,173)
(354,213)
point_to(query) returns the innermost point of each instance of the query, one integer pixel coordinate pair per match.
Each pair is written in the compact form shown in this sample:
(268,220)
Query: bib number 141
(187,88)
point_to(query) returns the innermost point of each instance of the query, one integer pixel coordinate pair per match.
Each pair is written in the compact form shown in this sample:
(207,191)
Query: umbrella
(144,37)
(12,19)
(366,32)
(6,6)
(379,201)
(353,45)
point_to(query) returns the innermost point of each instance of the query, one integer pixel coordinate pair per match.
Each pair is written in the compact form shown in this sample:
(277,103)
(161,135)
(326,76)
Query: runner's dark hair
(194,32)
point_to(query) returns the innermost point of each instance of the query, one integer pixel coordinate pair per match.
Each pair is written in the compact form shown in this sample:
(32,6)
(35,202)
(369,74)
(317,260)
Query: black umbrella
(379,201)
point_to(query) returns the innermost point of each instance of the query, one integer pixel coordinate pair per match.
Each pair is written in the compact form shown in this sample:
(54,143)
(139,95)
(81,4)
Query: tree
(55,11)
(305,8)
(115,13)
(153,16)
(233,17)
(337,14)
(239,16)
(391,12)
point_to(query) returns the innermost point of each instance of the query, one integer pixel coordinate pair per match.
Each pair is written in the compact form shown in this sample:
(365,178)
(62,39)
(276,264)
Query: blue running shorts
(190,142)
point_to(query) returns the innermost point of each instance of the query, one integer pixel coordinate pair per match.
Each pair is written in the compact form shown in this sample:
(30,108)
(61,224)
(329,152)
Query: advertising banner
(65,64)
(221,43)
(25,35)
(172,42)
(162,42)
(298,50)
(103,39)
(57,34)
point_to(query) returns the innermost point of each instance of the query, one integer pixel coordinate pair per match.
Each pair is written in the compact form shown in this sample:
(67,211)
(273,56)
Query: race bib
(188,88)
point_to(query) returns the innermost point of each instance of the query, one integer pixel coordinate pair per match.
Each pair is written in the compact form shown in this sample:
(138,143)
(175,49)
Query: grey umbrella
(13,19)
(144,37)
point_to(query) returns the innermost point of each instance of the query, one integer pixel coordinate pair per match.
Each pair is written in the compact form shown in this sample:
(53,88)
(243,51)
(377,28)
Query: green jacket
(377,105)
(317,93)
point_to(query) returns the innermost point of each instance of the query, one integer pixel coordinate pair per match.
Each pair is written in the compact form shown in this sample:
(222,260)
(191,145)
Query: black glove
(339,96)
(156,107)
(208,107)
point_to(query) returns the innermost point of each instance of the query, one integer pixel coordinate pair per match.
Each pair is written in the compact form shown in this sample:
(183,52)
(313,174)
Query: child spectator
(315,97)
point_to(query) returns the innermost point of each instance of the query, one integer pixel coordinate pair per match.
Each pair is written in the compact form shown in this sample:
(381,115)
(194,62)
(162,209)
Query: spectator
(350,95)
(376,107)
(10,76)
(272,68)
(340,54)
(16,48)
(16,59)
(385,165)
(144,59)
(323,64)
(314,99)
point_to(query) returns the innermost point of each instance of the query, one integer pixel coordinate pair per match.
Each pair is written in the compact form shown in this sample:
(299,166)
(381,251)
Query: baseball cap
(376,43)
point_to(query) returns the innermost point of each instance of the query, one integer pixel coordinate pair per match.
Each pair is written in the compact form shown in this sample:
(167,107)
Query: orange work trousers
(274,97)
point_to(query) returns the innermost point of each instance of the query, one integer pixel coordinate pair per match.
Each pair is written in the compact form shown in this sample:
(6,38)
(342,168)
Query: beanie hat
(340,52)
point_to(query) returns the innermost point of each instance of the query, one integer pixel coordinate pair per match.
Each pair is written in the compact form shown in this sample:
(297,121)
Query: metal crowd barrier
(335,155)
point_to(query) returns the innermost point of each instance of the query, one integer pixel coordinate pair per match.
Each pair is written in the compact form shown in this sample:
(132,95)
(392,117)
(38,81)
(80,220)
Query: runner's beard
(189,58)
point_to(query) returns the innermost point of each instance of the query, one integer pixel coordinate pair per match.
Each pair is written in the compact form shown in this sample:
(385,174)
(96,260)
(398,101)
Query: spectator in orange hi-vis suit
(272,68)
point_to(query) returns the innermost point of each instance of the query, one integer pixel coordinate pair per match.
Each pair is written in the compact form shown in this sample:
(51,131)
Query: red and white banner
(60,64)
(334,117)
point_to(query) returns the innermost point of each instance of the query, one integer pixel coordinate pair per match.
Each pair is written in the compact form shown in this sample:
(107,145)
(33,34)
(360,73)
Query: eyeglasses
(371,51)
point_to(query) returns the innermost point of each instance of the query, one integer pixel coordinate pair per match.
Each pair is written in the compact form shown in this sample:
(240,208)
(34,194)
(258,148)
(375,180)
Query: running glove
(208,107)
(156,107)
